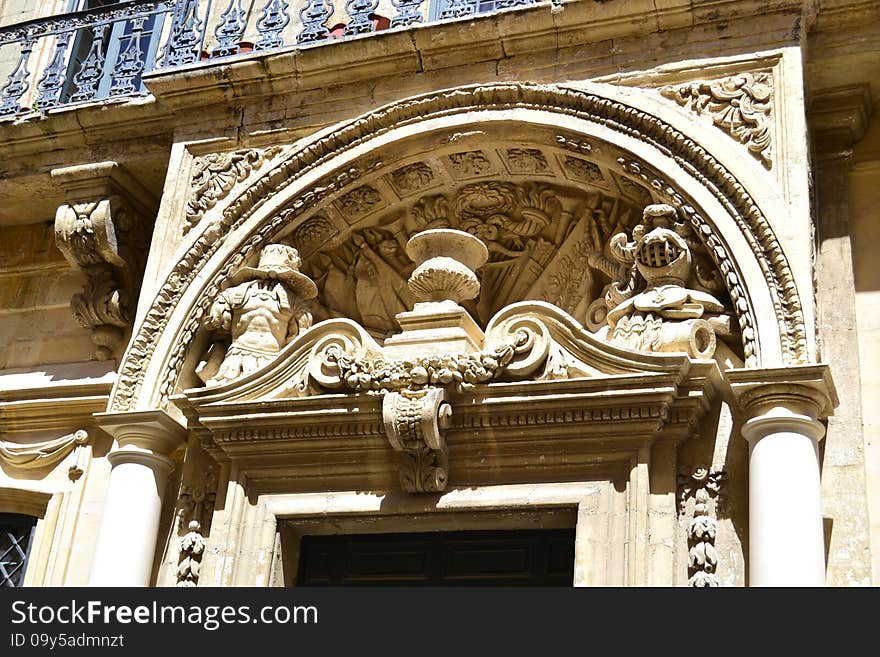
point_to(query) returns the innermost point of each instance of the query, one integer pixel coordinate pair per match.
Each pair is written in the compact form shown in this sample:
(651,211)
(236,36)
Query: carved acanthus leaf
(741,105)
(215,175)
(105,239)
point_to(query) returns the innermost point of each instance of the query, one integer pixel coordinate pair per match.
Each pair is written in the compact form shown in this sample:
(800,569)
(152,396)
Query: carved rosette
(703,484)
(414,423)
(741,105)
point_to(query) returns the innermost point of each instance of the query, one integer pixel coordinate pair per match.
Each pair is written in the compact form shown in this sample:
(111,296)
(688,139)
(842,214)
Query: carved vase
(445,260)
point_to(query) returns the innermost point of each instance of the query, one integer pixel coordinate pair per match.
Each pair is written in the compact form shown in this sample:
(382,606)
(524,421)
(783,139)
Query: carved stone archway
(297,181)
(549,177)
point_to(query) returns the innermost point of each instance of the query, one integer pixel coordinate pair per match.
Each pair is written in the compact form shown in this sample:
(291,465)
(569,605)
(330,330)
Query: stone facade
(604,264)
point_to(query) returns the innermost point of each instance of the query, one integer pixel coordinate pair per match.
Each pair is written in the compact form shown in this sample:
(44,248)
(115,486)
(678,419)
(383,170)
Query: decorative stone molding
(805,389)
(704,486)
(656,308)
(195,510)
(47,453)
(839,118)
(263,311)
(414,422)
(215,175)
(741,105)
(579,103)
(103,231)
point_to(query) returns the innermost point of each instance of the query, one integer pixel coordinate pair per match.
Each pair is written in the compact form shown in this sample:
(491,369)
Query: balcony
(102,53)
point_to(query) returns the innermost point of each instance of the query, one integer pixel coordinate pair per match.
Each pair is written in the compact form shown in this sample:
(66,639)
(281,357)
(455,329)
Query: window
(109,59)
(16,535)
(532,557)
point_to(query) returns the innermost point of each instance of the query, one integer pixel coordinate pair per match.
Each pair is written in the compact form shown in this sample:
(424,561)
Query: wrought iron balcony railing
(102,52)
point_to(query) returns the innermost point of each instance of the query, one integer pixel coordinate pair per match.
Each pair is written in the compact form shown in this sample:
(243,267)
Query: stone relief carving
(312,234)
(414,423)
(215,175)
(741,105)
(617,115)
(359,201)
(581,169)
(47,453)
(709,250)
(262,312)
(657,308)
(469,164)
(703,485)
(105,238)
(526,160)
(195,510)
(412,178)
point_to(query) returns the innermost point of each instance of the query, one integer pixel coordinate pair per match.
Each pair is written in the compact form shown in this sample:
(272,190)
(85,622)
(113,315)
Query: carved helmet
(280,262)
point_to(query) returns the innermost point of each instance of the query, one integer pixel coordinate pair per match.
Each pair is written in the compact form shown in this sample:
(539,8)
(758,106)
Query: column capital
(152,430)
(805,390)
(839,118)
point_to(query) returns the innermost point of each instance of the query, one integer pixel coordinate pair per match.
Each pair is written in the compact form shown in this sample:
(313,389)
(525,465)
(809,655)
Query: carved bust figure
(668,314)
(263,311)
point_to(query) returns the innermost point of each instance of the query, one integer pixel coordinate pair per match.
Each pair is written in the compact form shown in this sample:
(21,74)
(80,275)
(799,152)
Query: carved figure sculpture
(667,314)
(263,311)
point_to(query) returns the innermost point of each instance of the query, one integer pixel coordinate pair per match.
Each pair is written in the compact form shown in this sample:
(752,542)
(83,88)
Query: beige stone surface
(523,399)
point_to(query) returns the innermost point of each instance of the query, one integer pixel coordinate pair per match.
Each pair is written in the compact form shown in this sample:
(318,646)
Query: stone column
(130,523)
(783,407)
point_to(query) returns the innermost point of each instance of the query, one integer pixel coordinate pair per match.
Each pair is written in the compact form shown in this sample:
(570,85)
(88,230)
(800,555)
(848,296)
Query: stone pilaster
(130,522)
(838,118)
(783,407)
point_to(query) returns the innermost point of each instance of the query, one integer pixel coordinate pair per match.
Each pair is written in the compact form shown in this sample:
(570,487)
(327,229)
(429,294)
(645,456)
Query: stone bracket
(103,230)
(414,423)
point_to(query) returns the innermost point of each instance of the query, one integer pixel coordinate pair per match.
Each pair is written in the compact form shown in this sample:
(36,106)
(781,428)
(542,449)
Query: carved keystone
(414,421)
(103,230)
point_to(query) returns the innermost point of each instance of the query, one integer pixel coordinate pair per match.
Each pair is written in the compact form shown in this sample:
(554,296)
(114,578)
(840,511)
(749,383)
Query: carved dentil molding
(741,105)
(103,231)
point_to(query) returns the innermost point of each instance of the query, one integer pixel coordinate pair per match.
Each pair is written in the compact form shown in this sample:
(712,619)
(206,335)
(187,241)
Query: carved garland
(612,114)
(702,484)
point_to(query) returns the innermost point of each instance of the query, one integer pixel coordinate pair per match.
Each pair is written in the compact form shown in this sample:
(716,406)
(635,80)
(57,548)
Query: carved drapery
(47,453)
(103,231)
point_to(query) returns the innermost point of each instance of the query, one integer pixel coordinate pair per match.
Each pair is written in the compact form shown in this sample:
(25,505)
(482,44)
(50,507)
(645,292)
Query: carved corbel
(414,423)
(103,230)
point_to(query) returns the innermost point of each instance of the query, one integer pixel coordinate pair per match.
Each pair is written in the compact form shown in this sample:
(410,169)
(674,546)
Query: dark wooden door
(542,557)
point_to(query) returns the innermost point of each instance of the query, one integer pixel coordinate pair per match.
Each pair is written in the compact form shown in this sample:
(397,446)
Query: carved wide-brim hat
(279,262)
